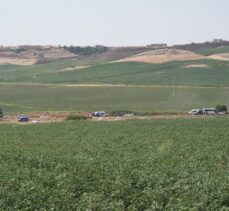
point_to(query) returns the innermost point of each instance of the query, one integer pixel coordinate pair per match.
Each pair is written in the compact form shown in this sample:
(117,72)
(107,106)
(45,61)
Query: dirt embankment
(15,61)
(32,56)
(224,57)
(164,55)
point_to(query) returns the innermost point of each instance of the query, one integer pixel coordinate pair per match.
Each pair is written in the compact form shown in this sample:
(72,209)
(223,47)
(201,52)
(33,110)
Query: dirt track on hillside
(69,69)
(14,61)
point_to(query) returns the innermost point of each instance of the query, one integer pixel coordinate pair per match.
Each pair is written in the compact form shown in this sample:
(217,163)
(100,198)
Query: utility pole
(173,86)
(70,106)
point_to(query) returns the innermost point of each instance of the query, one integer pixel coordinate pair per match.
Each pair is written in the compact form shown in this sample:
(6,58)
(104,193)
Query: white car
(195,111)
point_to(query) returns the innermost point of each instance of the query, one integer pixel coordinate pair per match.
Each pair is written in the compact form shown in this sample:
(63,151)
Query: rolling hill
(212,73)
(92,55)
(31,55)
(212,51)
(205,46)
(130,78)
(164,55)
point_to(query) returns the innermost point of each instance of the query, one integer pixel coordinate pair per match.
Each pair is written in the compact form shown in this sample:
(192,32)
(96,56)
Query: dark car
(23,118)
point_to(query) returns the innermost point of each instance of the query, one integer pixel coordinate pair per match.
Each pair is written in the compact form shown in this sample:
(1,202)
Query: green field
(25,98)
(215,74)
(132,165)
(194,87)
(212,51)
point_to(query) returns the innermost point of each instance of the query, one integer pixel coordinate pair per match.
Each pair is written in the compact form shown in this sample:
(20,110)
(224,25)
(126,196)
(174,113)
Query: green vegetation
(212,51)
(215,74)
(1,113)
(221,108)
(54,96)
(24,98)
(76,117)
(133,165)
(86,50)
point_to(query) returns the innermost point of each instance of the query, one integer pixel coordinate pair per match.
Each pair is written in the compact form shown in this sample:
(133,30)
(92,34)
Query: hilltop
(30,55)
(90,80)
(197,47)
(99,54)
(164,55)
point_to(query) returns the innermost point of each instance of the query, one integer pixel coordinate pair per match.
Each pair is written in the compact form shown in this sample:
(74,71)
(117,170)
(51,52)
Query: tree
(1,113)
(221,108)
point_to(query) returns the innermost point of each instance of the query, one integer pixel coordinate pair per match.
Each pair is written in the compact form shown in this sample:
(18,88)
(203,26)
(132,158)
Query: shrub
(221,108)
(1,113)
(88,50)
(76,117)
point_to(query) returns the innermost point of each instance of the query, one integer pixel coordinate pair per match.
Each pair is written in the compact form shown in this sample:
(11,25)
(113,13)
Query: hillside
(224,57)
(17,61)
(93,55)
(205,46)
(186,73)
(30,55)
(114,65)
(164,55)
(219,50)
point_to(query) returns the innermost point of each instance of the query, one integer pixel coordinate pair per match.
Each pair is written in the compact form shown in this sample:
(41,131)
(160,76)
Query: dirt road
(35,118)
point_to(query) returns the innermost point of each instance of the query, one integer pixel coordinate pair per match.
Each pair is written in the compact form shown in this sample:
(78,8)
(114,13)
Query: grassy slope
(135,165)
(19,98)
(219,50)
(53,98)
(9,73)
(216,74)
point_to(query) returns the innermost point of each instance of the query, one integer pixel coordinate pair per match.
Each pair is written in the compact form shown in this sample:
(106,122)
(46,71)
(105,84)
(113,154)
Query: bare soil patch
(33,55)
(224,57)
(69,69)
(164,55)
(15,61)
(196,66)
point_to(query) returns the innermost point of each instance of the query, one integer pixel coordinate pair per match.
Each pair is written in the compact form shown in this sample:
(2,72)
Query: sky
(112,22)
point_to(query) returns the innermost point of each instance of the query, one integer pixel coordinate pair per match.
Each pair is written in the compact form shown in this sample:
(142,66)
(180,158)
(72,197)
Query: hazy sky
(112,22)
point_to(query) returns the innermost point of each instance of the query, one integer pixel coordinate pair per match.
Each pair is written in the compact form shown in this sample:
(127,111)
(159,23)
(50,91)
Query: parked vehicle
(196,112)
(204,111)
(99,113)
(23,118)
(209,111)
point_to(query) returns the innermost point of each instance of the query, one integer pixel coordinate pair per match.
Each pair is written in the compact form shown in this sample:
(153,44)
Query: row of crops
(134,165)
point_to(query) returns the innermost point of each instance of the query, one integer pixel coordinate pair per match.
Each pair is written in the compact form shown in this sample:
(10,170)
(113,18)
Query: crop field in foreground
(135,165)
(25,98)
